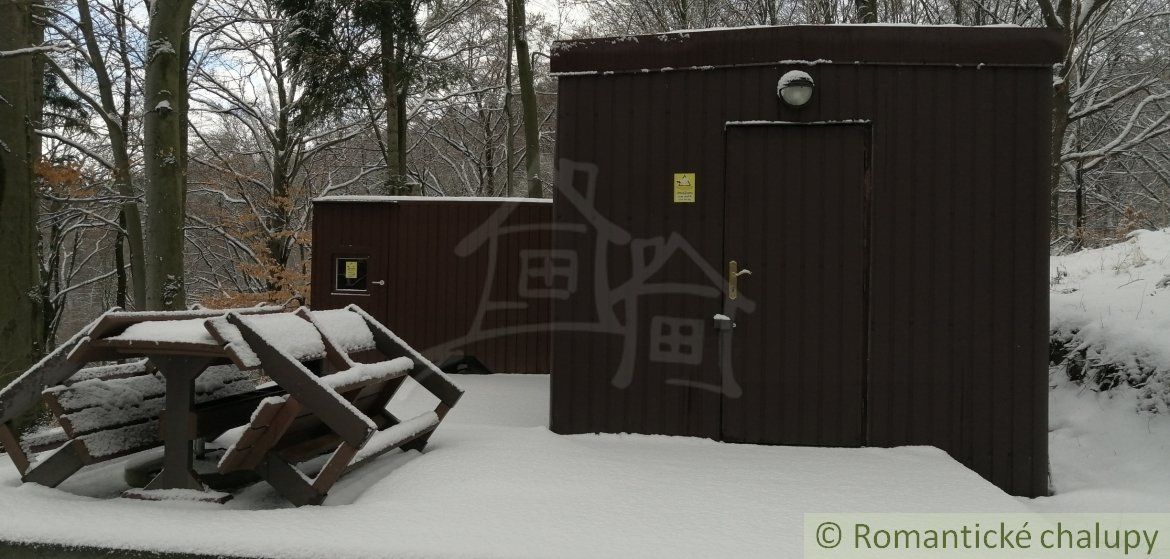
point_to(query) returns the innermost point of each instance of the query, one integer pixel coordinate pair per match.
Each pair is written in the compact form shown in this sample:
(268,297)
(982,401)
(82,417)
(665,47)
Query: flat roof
(416,199)
(703,49)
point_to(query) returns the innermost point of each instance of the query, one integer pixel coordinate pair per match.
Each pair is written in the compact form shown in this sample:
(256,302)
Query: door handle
(733,273)
(379,282)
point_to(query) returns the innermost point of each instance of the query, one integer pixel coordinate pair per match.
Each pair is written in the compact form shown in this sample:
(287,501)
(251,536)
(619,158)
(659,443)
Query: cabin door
(796,229)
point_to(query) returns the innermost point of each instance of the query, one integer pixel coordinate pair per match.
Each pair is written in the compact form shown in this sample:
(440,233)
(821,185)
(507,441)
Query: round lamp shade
(795,88)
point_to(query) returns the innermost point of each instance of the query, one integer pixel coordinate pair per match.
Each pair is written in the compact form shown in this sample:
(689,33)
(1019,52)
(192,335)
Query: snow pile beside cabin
(1110,318)
(1104,457)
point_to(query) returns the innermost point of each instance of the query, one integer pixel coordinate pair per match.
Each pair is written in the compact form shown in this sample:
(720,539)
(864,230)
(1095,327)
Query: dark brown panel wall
(958,242)
(455,279)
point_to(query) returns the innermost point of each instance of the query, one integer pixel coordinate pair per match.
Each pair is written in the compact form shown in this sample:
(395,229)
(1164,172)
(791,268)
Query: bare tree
(1110,95)
(94,40)
(253,164)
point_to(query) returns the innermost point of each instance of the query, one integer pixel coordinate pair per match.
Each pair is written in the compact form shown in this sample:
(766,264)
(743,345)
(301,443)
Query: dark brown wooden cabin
(457,277)
(895,228)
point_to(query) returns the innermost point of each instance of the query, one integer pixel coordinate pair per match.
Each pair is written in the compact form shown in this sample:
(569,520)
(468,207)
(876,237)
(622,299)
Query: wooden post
(10,440)
(178,421)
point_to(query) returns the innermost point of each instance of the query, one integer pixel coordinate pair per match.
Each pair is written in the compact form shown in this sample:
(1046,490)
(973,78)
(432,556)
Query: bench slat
(241,451)
(122,441)
(110,372)
(287,332)
(394,437)
(93,405)
(365,374)
(113,322)
(131,391)
(346,328)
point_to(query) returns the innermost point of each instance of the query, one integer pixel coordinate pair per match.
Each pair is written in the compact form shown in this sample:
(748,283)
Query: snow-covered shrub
(1110,318)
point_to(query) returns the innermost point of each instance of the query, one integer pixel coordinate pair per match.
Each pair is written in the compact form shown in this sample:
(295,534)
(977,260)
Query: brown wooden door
(795,217)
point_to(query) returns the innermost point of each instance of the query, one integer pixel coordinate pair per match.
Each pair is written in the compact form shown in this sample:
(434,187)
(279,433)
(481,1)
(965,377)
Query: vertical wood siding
(434,291)
(958,250)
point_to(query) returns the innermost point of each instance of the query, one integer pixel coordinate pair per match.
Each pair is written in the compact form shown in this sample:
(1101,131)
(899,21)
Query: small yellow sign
(684,188)
(351,269)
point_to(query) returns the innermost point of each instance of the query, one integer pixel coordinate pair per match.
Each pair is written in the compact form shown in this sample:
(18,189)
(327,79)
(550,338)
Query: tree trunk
(120,262)
(1060,107)
(527,100)
(395,160)
(50,281)
(1079,218)
(510,131)
(20,100)
(165,152)
(1059,17)
(400,144)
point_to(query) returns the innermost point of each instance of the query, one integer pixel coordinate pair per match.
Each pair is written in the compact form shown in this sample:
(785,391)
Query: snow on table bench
(345,328)
(395,437)
(110,418)
(365,374)
(288,332)
(94,404)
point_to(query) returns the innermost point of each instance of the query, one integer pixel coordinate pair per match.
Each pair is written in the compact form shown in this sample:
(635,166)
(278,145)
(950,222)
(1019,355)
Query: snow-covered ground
(1105,457)
(496,482)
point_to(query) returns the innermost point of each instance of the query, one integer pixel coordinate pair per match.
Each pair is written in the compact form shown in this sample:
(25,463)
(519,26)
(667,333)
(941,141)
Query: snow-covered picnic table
(188,380)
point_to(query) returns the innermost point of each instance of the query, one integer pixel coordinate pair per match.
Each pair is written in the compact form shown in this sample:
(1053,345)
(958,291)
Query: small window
(350,274)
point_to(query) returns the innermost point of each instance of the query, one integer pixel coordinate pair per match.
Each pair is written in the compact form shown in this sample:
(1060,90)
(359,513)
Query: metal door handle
(379,282)
(733,273)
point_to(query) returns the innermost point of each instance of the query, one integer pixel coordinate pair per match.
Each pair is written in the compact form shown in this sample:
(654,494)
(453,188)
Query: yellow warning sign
(351,269)
(684,188)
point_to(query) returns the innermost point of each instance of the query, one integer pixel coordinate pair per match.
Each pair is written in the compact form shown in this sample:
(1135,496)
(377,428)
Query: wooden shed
(866,269)
(457,277)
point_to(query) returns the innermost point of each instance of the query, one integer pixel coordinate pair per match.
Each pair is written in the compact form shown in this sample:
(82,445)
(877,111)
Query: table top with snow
(496,482)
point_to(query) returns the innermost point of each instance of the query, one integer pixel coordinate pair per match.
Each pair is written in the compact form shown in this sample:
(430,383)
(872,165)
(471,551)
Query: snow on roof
(568,43)
(789,122)
(397,199)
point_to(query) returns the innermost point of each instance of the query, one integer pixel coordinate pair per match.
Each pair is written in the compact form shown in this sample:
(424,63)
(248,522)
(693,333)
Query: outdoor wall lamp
(795,88)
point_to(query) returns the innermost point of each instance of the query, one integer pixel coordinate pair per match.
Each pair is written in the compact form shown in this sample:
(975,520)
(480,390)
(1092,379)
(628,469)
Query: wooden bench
(342,414)
(113,411)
